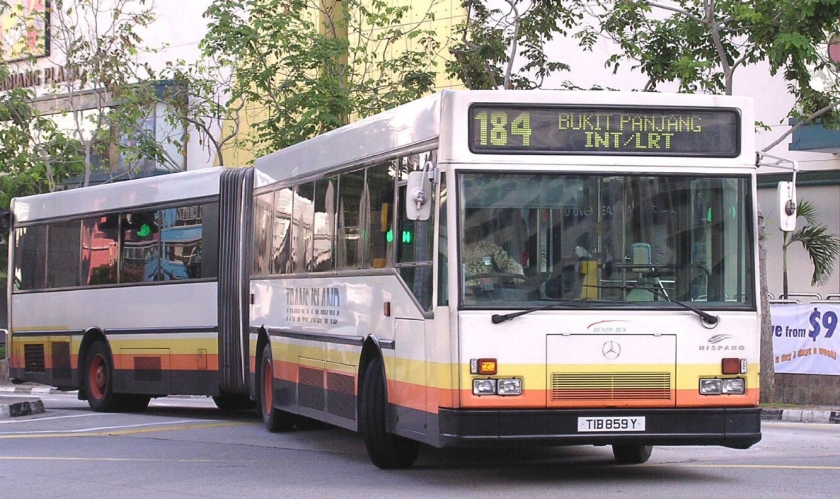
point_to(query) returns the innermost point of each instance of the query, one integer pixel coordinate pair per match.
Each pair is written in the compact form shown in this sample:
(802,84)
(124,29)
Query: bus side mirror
(787,206)
(418,205)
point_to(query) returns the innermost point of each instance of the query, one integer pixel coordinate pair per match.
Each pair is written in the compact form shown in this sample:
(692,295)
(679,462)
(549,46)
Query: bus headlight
(727,386)
(510,386)
(484,387)
(734,386)
(503,387)
(710,386)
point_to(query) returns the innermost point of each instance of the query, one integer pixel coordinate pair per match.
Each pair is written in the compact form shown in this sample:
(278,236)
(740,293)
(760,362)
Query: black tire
(275,420)
(386,450)
(99,379)
(234,402)
(632,454)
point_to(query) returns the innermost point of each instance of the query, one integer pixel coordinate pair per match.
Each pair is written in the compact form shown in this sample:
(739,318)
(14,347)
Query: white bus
(475,268)
(514,268)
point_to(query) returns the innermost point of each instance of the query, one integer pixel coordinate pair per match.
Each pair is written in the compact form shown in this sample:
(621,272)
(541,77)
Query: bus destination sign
(500,129)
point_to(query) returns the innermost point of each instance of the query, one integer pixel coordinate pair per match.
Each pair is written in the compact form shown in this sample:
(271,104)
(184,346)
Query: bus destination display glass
(604,130)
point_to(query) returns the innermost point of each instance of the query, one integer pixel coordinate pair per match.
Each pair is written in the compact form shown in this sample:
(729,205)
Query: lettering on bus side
(318,305)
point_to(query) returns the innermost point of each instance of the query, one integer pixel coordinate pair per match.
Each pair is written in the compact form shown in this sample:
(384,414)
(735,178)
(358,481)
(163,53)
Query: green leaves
(316,65)
(505,47)
(823,248)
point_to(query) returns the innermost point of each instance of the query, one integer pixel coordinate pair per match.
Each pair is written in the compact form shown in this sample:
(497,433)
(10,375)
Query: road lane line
(122,430)
(121,459)
(751,466)
(21,421)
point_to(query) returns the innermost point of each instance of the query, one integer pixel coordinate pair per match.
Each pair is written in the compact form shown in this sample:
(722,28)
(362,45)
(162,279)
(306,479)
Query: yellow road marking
(114,433)
(753,466)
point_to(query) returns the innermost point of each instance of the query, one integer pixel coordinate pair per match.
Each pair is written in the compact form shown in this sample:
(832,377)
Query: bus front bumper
(737,428)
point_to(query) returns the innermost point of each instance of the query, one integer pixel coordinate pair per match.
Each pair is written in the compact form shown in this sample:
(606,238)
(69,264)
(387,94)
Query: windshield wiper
(499,318)
(705,317)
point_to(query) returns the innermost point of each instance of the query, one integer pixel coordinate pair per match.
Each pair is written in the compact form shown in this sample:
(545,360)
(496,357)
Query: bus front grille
(611,386)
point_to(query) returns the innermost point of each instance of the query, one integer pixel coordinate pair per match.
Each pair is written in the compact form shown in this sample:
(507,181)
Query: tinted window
(100,250)
(323,225)
(64,247)
(351,186)
(30,257)
(140,251)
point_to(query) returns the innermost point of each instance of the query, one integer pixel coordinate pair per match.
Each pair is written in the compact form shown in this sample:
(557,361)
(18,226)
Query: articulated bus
(474,268)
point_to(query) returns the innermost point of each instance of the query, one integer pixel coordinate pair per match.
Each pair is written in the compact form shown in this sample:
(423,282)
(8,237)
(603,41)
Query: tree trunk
(766,371)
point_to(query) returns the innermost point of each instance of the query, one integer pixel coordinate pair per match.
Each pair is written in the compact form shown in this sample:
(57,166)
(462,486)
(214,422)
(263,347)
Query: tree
(111,95)
(823,248)
(314,65)
(488,45)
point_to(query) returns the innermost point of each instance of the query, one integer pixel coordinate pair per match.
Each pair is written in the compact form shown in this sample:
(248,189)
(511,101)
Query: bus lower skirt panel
(738,428)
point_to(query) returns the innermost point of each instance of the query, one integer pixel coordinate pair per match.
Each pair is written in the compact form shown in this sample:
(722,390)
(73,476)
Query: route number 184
(494,128)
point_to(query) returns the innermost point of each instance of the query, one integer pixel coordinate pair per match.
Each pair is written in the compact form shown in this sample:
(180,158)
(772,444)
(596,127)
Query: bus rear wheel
(99,379)
(386,450)
(632,454)
(274,419)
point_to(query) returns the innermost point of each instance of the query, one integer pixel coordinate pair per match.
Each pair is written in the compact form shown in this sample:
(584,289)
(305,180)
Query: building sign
(25,30)
(49,75)
(624,130)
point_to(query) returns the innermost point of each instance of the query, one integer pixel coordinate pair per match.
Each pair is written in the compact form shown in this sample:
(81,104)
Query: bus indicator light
(483,366)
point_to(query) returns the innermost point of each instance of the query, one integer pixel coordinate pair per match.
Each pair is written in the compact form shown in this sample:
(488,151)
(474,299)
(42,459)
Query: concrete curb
(801,415)
(11,407)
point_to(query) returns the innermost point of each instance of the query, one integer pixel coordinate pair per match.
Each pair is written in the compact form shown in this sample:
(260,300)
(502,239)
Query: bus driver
(485,257)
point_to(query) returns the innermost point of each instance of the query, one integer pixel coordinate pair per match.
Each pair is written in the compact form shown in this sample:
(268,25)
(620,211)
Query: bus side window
(140,248)
(181,243)
(30,257)
(281,235)
(63,258)
(302,226)
(100,250)
(415,240)
(263,206)
(324,225)
(350,188)
(443,256)
(379,213)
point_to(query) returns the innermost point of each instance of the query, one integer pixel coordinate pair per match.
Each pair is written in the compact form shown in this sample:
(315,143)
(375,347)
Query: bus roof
(415,123)
(127,194)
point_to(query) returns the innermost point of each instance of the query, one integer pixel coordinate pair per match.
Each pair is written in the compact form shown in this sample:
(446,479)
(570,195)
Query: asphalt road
(185,448)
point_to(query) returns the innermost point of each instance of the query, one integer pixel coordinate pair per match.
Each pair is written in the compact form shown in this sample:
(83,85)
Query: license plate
(606,424)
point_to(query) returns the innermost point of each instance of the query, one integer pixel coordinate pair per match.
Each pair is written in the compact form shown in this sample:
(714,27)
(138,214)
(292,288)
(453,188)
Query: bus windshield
(622,240)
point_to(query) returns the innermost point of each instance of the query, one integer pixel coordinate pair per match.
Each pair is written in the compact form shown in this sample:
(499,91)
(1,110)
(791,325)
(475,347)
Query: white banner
(805,338)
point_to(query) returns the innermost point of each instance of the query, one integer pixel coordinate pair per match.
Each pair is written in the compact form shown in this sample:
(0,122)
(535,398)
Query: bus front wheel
(386,450)
(274,419)
(632,454)
(99,379)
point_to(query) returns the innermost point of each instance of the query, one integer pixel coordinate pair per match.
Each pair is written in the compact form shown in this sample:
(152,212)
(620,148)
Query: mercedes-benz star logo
(611,350)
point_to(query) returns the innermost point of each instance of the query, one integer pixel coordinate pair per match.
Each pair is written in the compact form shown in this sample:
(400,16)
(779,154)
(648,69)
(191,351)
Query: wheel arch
(91,336)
